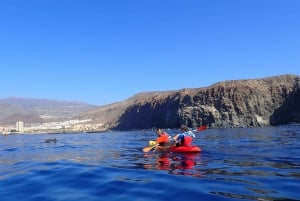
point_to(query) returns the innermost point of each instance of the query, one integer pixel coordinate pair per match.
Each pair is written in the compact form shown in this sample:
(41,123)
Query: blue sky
(100,52)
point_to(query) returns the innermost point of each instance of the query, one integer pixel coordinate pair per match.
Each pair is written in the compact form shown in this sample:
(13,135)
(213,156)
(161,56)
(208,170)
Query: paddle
(201,128)
(147,149)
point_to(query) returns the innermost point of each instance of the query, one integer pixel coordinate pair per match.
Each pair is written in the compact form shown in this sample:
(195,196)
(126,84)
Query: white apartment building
(20,126)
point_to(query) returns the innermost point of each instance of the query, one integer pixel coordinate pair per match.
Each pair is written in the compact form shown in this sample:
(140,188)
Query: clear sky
(105,51)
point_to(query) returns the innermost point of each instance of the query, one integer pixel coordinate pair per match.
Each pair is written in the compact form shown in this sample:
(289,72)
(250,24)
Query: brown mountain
(110,114)
(26,118)
(254,102)
(39,110)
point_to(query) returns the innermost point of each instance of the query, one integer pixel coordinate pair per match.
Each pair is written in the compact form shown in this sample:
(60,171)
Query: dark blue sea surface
(235,164)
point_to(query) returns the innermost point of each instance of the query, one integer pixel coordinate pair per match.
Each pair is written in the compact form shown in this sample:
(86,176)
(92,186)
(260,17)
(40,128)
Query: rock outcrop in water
(239,103)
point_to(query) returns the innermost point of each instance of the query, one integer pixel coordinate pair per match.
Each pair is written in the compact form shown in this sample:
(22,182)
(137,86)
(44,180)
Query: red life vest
(163,138)
(187,140)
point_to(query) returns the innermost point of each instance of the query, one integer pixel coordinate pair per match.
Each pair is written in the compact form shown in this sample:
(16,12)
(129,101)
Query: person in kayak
(184,138)
(162,137)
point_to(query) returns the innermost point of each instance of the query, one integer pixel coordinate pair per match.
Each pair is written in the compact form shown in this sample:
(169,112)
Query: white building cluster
(74,125)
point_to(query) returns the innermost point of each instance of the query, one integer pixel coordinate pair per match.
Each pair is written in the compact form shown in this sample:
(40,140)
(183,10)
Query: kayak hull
(180,149)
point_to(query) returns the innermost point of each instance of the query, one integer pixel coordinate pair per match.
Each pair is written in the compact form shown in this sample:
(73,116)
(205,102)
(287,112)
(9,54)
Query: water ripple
(236,164)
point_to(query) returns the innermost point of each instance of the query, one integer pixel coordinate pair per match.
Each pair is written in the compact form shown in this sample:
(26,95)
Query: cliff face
(257,102)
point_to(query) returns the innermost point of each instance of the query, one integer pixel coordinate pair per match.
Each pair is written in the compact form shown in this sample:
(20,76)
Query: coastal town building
(73,125)
(20,126)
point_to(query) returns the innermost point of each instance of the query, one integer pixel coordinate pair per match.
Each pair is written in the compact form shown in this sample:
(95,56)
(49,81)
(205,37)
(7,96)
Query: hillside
(39,110)
(237,103)
(109,114)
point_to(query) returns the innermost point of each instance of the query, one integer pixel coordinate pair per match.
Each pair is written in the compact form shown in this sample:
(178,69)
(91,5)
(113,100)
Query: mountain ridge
(32,110)
(234,103)
(230,103)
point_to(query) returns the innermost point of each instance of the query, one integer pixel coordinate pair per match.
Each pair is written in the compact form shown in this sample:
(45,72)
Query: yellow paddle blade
(152,143)
(146,149)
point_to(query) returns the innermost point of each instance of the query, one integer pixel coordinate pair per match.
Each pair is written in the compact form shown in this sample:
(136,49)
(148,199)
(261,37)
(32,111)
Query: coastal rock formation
(239,103)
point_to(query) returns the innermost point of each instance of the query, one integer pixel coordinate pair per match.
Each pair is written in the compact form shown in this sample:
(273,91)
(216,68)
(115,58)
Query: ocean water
(235,164)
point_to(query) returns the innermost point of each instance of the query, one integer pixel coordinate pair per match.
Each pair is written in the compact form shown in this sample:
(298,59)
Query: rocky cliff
(239,103)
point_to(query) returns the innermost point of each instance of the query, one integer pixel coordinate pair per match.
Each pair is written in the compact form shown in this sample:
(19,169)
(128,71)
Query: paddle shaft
(147,149)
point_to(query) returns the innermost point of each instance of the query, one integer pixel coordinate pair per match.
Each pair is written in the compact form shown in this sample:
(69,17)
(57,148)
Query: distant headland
(237,103)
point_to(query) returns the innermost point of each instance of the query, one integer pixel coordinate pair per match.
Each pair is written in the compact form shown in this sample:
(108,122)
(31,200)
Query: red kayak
(180,149)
